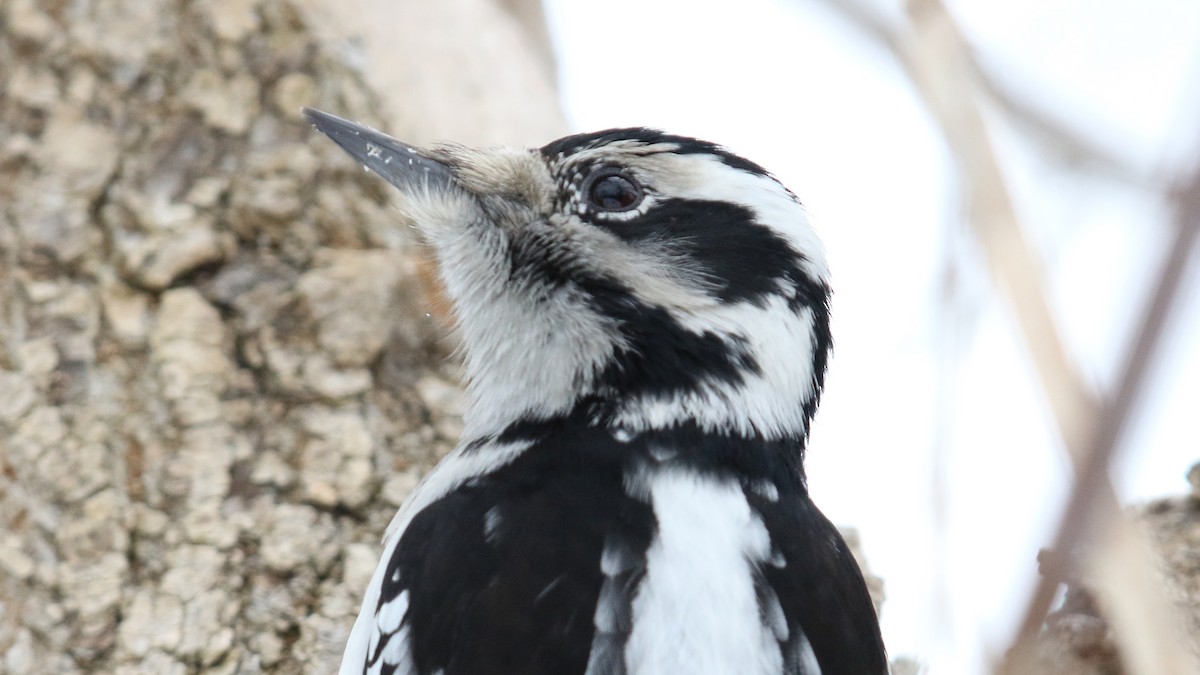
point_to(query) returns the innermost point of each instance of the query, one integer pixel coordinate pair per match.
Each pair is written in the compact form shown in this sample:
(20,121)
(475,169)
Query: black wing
(821,591)
(503,574)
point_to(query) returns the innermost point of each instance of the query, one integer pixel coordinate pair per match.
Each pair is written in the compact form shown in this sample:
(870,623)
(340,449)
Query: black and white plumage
(646,325)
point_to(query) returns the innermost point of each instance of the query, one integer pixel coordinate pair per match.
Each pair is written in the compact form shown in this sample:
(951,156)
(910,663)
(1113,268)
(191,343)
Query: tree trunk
(219,374)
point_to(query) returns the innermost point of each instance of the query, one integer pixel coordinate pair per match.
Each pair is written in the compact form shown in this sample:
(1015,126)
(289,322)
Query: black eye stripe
(747,260)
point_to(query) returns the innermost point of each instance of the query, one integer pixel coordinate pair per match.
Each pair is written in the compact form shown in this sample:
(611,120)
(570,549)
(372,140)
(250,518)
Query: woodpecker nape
(645,322)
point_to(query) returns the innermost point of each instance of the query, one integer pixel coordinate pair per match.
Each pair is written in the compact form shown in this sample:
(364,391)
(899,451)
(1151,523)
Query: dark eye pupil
(614,193)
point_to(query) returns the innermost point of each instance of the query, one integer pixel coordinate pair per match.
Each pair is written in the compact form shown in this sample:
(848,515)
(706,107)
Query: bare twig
(1057,138)
(947,73)
(946,81)
(942,67)
(1061,141)
(1090,497)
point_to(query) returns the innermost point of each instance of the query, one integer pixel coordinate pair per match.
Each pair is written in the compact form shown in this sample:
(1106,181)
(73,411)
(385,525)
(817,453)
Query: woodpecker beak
(400,164)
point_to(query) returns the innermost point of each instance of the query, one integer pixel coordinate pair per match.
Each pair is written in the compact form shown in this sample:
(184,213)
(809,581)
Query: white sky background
(922,391)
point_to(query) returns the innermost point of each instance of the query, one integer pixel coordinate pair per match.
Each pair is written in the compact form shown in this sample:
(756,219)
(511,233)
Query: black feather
(522,598)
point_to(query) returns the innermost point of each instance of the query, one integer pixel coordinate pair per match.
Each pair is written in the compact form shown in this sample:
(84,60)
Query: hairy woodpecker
(645,320)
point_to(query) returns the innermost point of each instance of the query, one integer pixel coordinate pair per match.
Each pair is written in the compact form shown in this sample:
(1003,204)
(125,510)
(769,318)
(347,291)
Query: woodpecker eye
(611,191)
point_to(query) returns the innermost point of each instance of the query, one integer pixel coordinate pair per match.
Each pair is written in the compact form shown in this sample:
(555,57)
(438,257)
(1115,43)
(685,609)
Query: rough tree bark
(1079,636)
(218,377)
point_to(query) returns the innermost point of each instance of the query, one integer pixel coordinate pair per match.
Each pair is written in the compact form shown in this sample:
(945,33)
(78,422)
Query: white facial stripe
(698,176)
(703,176)
(652,272)
(770,403)
(533,351)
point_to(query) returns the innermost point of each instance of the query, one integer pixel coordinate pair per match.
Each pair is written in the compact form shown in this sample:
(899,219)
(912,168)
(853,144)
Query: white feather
(364,636)
(531,347)
(707,177)
(696,610)
(398,653)
(392,613)
(455,469)
(769,402)
(807,657)
(451,472)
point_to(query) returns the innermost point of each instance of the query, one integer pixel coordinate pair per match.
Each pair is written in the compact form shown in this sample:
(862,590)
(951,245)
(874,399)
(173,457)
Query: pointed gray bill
(400,164)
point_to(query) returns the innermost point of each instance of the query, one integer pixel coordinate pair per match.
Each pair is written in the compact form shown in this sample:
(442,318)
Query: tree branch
(1059,140)
(945,71)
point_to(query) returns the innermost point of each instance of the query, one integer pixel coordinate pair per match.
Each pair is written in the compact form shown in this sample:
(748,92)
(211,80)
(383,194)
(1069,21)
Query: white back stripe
(696,611)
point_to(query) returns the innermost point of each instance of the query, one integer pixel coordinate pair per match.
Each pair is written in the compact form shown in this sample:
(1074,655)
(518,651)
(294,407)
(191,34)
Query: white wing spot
(606,608)
(615,560)
(775,617)
(622,434)
(491,524)
(396,653)
(392,614)
(765,489)
(662,453)
(806,656)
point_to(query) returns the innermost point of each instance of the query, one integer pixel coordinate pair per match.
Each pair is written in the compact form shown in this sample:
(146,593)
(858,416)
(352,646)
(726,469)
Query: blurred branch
(1092,498)
(1054,135)
(1057,137)
(940,63)
(872,23)
(943,77)
(1092,494)
(943,68)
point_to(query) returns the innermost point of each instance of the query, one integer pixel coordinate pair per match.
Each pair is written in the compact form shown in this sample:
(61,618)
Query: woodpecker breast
(645,321)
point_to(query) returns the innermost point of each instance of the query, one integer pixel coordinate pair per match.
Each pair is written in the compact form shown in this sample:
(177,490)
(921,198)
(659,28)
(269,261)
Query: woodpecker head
(645,280)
